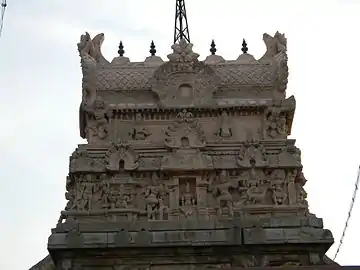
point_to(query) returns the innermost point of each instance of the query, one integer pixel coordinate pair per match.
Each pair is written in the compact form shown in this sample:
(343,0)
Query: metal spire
(181,24)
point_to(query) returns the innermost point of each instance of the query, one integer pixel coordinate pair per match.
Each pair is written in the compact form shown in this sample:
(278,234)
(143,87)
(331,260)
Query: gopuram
(188,165)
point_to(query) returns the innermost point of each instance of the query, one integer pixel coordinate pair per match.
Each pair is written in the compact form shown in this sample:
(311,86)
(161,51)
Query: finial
(121,49)
(152,49)
(244,46)
(213,47)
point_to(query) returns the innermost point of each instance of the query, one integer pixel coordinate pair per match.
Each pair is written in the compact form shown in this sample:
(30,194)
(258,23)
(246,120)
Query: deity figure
(277,182)
(222,193)
(224,130)
(256,189)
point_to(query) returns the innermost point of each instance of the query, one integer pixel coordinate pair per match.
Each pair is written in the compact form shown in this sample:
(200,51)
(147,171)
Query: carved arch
(184,80)
(121,153)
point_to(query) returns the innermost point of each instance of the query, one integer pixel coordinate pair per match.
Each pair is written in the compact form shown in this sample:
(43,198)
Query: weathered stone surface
(187,166)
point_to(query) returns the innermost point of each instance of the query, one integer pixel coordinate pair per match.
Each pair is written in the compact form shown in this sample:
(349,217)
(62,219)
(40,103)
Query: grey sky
(41,91)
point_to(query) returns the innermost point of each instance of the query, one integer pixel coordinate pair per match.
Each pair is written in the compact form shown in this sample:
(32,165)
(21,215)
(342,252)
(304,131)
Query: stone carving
(221,190)
(301,197)
(257,188)
(115,196)
(252,153)
(276,51)
(80,160)
(121,156)
(188,197)
(184,80)
(275,123)
(288,156)
(79,193)
(155,195)
(277,179)
(90,54)
(224,129)
(185,186)
(185,132)
(139,132)
(274,45)
(97,126)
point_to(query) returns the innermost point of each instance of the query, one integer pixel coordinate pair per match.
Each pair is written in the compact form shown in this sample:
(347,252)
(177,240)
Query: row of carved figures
(121,156)
(157,196)
(97,125)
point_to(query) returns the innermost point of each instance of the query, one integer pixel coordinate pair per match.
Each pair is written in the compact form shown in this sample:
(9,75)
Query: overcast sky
(41,90)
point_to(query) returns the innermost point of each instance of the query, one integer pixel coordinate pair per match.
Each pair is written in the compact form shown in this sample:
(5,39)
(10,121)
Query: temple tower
(188,164)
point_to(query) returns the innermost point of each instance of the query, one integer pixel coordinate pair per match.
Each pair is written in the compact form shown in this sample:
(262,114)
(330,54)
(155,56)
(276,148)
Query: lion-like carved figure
(90,54)
(275,45)
(276,52)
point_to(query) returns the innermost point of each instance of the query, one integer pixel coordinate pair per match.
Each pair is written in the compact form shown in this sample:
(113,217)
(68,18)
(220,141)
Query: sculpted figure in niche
(224,130)
(275,124)
(277,182)
(84,197)
(290,180)
(187,198)
(222,193)
(257,190)
(97,128)
(151,197)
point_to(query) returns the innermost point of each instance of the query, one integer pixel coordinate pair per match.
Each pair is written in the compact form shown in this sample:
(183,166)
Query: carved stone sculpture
(275,123)
(224,129)
(121,156)
(252,154)
(188,159)
(97,127)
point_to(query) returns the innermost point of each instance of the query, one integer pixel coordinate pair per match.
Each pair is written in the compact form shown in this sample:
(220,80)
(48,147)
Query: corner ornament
(121,156)
(90,55)
(276,52)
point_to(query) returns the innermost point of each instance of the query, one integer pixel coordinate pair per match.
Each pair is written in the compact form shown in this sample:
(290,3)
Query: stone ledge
(173,225)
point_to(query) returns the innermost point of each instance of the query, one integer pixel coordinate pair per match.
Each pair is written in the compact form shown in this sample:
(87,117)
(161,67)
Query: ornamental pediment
(185,81)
